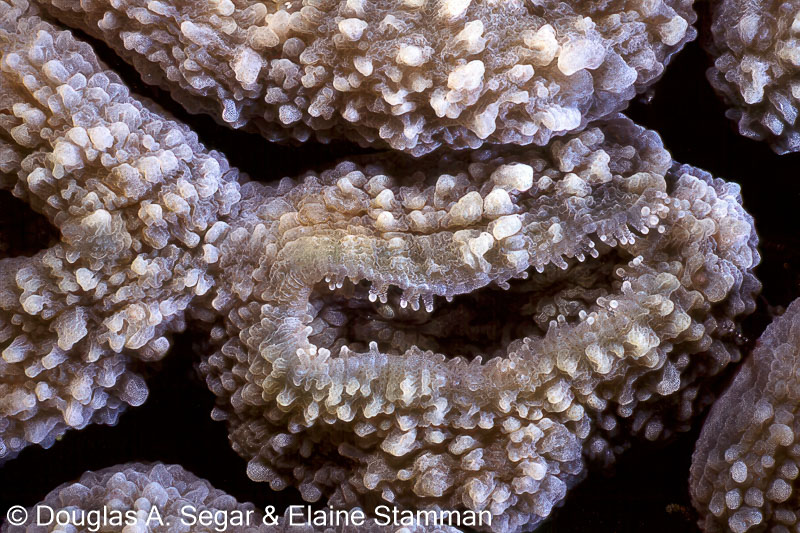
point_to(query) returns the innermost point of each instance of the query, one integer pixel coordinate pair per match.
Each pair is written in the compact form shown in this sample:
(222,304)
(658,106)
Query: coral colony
(347,341)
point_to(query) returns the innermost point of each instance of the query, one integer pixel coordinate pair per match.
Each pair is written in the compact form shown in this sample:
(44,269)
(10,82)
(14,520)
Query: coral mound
(745,465)
(410,74)
(757,68)
(465,331)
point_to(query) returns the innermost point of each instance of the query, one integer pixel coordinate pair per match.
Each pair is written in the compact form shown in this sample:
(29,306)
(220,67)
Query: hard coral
(598,282)
(757,68)
(464,332)
(745,465)
(138,497)
(166,498)
(132,194)
(413,74)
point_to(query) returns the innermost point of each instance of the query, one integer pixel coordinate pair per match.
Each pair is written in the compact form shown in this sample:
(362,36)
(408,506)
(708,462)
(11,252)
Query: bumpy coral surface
(137,497)
(463,333)
(757,68)
(131,194)
(413,74)
(166,499)
(745,467)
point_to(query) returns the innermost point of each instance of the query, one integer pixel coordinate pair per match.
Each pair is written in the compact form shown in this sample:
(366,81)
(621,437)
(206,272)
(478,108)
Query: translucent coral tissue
(411,74)
(463,331)
(356,356)
(132,194)
(745,465)
(756,45)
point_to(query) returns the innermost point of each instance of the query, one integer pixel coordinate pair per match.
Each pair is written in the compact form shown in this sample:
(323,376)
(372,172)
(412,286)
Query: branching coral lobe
(336,291)
(757,54)
(413,74)
(745,465)
(131,194)
(140,497)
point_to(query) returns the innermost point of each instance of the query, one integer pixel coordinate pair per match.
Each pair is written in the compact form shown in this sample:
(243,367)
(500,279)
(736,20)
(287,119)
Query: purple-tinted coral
(756,45)
(745,465)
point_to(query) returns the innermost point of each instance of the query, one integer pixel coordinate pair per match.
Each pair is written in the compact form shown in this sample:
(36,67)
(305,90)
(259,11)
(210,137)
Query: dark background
(649,489)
